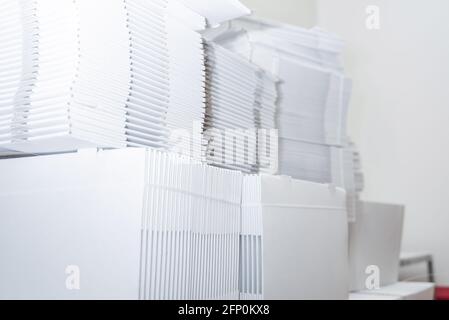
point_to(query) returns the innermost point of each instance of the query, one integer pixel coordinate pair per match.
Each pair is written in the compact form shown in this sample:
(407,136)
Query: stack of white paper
(74,75)
(313,92)
(313,99)
(371,297)
(294,240)
(121,224)
(375,244)
(69,80)
(241,101)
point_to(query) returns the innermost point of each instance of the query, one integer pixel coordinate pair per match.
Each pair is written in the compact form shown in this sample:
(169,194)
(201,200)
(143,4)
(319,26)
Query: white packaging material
(122,224)
(74,76)
(71,221)
(314,93)
(218,11)
(69,80)
(375,244)
(294,240)
(406,291)
(166,100)
(357,296)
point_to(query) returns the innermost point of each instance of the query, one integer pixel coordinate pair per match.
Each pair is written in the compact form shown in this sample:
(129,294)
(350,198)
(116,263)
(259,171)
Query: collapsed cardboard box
(374,245)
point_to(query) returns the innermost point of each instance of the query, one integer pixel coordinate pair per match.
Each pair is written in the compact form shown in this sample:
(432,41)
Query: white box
(375,241)
(123,224)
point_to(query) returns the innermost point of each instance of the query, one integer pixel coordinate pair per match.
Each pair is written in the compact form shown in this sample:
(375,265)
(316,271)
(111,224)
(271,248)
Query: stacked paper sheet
(69,80)
(347,173)
(241,101)
(121,224)
(191,230)
(294,240)
(313,92)
(73,75)
(401,291)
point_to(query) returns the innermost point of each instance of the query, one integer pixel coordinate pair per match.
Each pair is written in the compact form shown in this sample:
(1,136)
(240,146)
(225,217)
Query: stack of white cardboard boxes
(70,80)
(153,219)
(119,224)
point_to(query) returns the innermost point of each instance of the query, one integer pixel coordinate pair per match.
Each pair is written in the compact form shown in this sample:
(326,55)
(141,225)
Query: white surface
(407,291)
(400,109)
(217,11)
(375,240)
(304,238)
(313,91)
(81,210)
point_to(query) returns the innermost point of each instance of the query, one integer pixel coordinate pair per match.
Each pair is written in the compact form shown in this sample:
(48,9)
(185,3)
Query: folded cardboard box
(375,244)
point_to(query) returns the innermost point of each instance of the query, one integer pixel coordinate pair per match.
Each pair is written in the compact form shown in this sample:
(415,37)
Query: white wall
(298,12)
(400,110)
